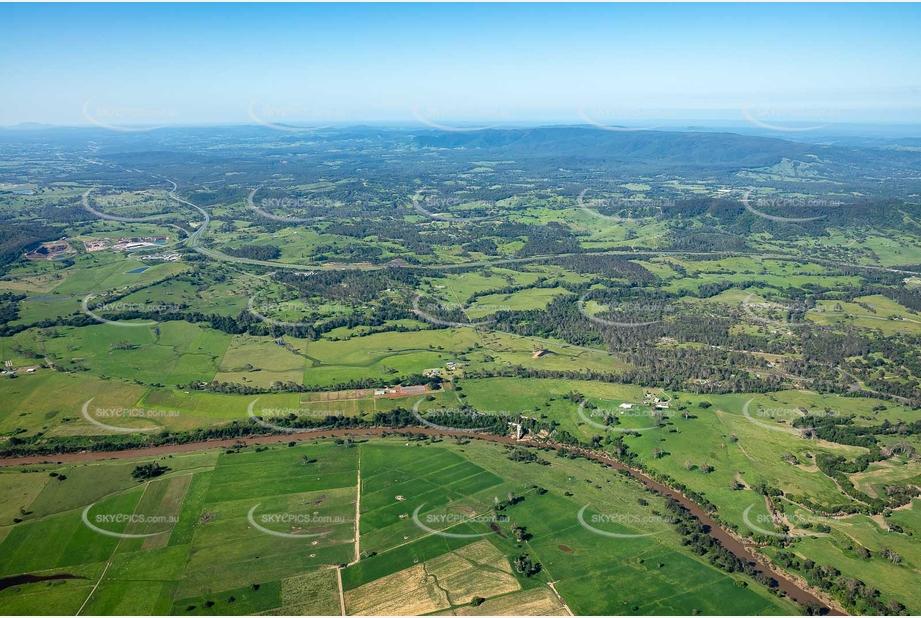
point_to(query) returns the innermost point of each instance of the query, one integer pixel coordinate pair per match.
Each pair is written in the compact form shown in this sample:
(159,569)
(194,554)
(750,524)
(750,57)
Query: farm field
(439,370)
(189,545)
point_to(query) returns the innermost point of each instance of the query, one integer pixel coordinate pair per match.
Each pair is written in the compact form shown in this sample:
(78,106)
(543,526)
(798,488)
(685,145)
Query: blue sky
(450,64)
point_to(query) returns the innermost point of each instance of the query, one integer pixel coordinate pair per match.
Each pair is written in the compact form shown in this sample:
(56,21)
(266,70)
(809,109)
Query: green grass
(180,353)
(53,597)
(213,553)
(419,473)
(246,601)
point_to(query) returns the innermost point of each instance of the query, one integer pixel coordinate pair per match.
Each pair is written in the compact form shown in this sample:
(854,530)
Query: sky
(459,65)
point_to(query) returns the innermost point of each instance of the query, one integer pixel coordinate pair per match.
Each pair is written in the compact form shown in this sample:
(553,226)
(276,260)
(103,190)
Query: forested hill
(674,150)
(664,147)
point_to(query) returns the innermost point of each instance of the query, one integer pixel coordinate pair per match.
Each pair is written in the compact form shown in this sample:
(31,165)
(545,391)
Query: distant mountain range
(27,126)
(663,147)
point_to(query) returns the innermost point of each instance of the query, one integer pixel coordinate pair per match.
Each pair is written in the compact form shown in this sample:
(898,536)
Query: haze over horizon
(461,66)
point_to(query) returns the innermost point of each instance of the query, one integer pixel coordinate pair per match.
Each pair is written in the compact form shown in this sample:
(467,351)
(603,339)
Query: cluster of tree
(148,471)
(523,455)
(348,252)
(608,266)
(350,286)
(526,566)
(254,252)
(395,230)
(841,429)
(856,596)
(696,538)
(9,306)
(19,238)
